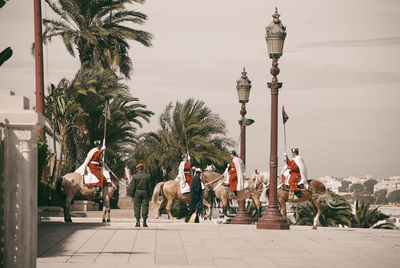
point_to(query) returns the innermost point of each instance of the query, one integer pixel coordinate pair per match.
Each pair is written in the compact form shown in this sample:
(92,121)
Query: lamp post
(243,89)
(275,38)
(39,61)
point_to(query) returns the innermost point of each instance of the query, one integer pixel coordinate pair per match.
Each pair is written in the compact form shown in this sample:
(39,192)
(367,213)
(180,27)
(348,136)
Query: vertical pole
(284,133)
(273,218)
(241,216)
(2,200)
(39,61)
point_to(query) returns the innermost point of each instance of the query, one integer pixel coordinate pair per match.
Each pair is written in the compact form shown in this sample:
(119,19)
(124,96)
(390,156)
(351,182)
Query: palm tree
(98,30)
(337,214)
(91,88)
(365,217)
(63,113)
(185,127)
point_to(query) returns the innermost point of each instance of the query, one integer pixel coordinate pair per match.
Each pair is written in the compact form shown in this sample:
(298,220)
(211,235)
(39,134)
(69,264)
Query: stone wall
(19,128)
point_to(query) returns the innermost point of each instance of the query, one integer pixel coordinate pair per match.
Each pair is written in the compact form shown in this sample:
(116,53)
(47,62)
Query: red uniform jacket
(295,176)
(233,181)
(95,168)
(187,173)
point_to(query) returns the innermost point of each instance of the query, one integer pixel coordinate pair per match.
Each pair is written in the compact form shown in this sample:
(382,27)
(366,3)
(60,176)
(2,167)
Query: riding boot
(145,223)
(98,192)
(298,194)
(285,187)
(137,223)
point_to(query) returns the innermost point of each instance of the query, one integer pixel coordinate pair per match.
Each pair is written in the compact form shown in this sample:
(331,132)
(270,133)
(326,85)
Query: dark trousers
(190,215)
(141,204)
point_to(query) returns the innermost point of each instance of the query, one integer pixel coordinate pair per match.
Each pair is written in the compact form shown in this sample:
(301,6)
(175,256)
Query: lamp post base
(241,216)
(273,220)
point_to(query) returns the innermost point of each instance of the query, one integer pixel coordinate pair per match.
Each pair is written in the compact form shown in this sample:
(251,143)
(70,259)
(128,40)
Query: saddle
(298,194)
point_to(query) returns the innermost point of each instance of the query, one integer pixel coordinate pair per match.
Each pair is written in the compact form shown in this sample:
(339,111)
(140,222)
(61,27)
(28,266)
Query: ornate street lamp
(243,89)
(275,38)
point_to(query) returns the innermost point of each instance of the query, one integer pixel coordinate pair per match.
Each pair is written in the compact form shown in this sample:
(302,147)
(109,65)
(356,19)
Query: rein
(208,183)
(115,187)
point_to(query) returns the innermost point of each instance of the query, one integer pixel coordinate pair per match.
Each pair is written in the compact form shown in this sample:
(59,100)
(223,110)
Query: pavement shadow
(53,236)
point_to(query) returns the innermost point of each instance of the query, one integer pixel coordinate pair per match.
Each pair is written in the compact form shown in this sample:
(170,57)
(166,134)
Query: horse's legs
(282,205)
(319,211)
(224,204)
(168,208)
(159,205)
(106,209)
(67,210)
(257,203)
(208,205)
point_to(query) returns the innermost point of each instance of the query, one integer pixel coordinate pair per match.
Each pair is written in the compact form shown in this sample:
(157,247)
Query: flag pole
(105,127)
(184,131)
(285,117)
(284,132)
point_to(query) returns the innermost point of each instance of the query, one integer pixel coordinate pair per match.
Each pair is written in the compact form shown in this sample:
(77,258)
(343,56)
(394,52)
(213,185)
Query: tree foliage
(394,196)
(357,188)
(99,30)
(339,213)
(43,155)
(7,52)
(369,185)
(63,114)
(184,127)
(74,110)
(91,88)
(380,197)
(345,187)
(365,217)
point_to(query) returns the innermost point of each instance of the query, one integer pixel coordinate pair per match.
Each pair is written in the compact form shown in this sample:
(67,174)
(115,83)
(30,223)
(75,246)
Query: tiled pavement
(167,243)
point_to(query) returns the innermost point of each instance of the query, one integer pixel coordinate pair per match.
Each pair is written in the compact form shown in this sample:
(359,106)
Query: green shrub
(43,155)
(179,211)
(47,195)
(44,197)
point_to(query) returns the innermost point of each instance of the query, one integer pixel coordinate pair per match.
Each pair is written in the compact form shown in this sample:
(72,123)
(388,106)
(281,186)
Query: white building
(391,184)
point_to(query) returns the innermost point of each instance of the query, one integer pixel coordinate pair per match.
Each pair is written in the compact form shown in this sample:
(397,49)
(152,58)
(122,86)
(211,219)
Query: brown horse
(213,181)
(73,184)
(170,191)
(315,193)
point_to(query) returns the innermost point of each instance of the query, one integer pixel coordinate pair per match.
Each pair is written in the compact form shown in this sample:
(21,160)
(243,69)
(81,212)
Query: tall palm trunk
(53,128)
(62,145)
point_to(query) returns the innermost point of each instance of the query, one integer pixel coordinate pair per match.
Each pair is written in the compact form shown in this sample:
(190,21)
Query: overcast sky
(340,72)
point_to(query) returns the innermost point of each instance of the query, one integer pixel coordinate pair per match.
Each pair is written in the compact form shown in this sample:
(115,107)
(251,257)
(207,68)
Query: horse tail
(58,187)
(157,191)
(330,201)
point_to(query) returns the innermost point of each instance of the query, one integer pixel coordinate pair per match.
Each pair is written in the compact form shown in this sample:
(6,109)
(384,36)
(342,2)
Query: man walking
(140,190)
(196,196)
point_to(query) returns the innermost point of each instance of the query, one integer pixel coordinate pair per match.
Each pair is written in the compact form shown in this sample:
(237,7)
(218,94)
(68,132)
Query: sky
(340,71)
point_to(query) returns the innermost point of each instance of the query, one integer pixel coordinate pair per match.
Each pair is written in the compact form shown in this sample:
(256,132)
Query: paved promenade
(88,243)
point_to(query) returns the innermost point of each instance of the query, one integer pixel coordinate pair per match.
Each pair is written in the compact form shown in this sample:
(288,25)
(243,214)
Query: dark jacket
(140,182)
(196,194)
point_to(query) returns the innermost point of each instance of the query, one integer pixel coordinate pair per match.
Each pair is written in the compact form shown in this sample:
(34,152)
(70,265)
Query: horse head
(210,168)
(262,176)
(209,178)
